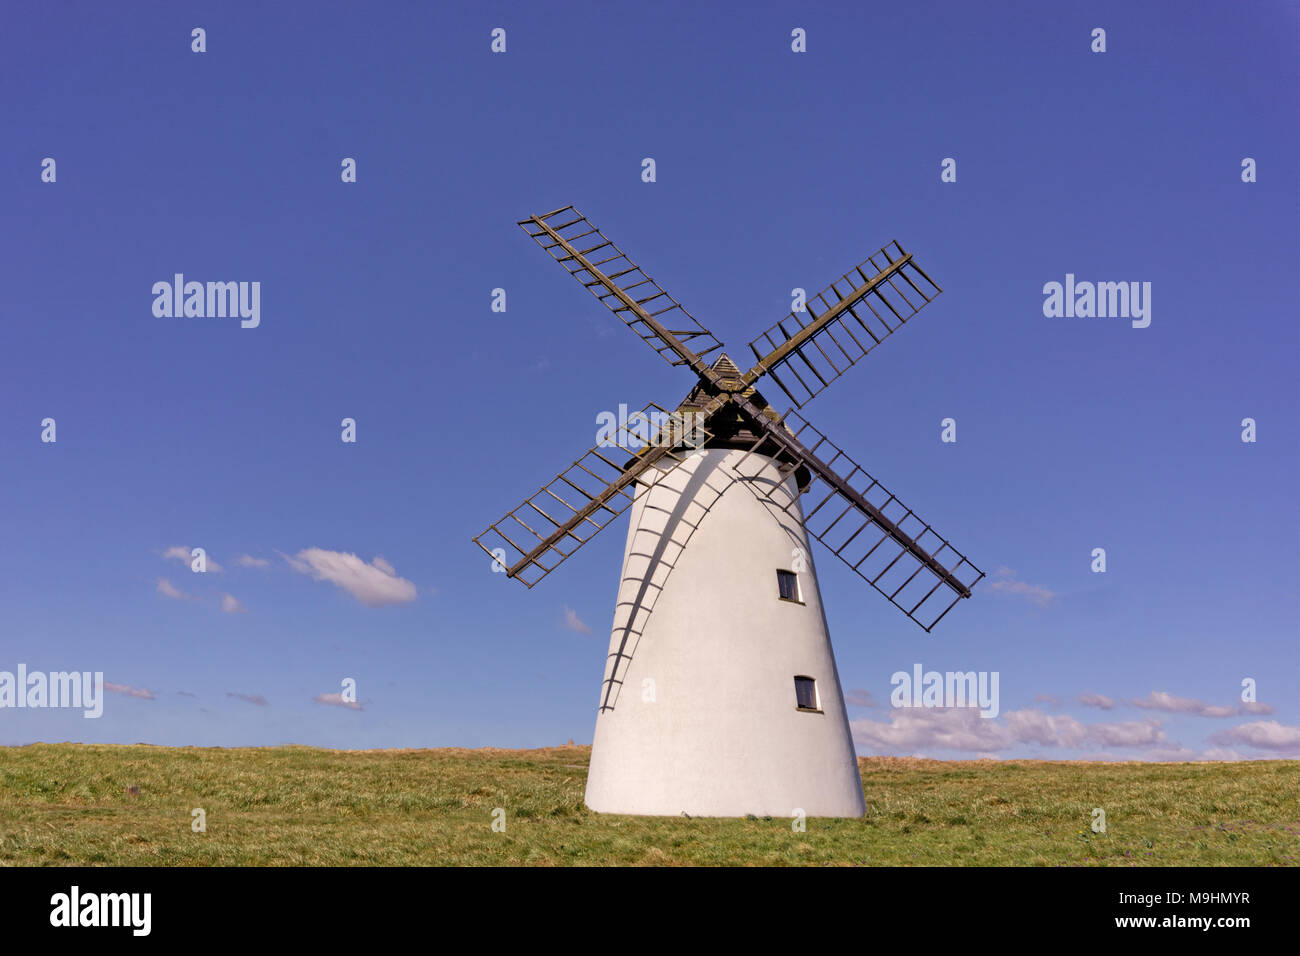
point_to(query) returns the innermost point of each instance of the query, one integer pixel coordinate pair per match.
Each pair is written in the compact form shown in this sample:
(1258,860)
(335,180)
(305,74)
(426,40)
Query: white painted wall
(722,735)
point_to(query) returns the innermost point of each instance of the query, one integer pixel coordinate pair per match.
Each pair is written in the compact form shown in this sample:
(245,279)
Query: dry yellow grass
(74,804)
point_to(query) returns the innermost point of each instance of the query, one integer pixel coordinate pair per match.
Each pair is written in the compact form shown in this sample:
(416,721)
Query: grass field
(77,804)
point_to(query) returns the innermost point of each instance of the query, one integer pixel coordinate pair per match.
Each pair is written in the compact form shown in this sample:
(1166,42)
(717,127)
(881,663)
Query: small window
(787,583)
(805,694)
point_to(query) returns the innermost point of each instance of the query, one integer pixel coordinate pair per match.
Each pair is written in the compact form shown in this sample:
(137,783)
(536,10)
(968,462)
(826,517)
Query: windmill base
(700,707)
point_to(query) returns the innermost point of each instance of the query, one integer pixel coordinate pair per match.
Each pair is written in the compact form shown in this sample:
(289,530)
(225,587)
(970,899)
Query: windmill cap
(725,367)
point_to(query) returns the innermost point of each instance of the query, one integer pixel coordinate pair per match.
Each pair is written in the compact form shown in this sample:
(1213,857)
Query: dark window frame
(798,591)
(811,684)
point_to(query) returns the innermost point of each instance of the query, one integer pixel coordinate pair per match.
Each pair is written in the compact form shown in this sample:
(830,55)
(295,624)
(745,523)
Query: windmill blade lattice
(606,271)
(532,540)
(805,352)
(868,528)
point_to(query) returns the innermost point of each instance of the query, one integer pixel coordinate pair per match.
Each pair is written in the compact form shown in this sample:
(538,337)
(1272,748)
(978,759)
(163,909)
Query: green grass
(73,804)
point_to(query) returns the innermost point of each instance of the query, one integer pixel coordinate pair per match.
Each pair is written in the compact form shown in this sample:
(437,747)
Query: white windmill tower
(720,695)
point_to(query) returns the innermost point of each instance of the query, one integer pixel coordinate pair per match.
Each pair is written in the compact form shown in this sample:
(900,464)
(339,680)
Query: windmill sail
(605,270)
(531,541)
(805,352)
(863,523)
(867,527)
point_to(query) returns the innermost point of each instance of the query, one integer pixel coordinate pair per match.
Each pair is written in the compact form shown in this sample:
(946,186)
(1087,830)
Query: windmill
(720,695)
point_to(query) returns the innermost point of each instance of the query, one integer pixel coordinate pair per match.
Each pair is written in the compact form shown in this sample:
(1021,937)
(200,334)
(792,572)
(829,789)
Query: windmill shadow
(707,483)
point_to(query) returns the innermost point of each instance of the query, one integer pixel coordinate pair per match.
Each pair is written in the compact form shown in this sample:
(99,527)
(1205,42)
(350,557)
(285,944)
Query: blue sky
(774,170)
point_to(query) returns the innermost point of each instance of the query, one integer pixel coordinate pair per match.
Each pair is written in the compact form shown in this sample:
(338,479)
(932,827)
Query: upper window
(805,694)
(787,583)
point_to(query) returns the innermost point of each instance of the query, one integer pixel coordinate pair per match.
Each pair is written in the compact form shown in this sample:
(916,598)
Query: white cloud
(1217,710)
(230,604)
(336,700)
(1005,581)
(128,690)
(1263,734)
(1163,701)
(167,589)
(1160,700)
(914,729)
(181,553)
(1133,733)
(374,585)
(1099,701)
(1255,707)
(575,623)
(248,561)
(1049,730)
